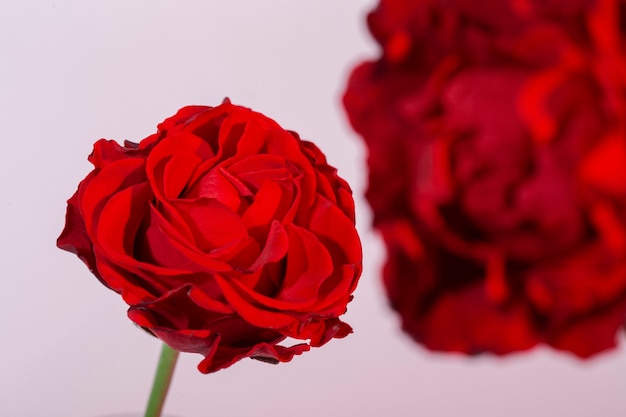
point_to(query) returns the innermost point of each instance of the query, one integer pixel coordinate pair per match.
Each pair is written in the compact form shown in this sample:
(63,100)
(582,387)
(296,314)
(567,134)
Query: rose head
(223,232)
(498,172)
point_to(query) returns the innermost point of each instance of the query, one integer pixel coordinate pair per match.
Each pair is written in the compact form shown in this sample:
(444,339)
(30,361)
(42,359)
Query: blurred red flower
(497,157)
(223,232)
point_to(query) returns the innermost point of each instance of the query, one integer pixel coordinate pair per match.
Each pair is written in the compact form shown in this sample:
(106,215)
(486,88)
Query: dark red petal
(466,321)
(329,329)
(133,288)
(223,340)
(74,237)
(603,167)
(159,158)
(120,219)
(251,134)
(182,116)
(248,304)
(265,352)
(308,265)
(207,295)
(258,169)
(271,202)
(335,293)
(109,180)
(167,246)
(217,185)
(108,151)
(275,247)
(590,334)
(212,223)
(584,281)
(177,173)
(335,231)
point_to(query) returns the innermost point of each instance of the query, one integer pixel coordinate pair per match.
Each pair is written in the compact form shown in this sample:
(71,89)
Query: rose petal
(218,186)
(271,202)
(258,169)
(308,265)
(108,151)
(467,322)
(589,334)
(167,244)
(211,222)
(74,237)
(182,117)
(335,231)
(160,157)
(110,179)
(177,173)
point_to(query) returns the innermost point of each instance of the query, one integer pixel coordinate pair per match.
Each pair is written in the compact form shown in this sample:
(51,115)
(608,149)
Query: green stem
(162,379)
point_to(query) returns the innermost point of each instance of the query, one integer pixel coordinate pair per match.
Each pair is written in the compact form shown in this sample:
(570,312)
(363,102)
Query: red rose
(223,232)
(498,170)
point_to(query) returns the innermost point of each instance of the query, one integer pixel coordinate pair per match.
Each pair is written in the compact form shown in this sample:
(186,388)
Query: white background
(74,71)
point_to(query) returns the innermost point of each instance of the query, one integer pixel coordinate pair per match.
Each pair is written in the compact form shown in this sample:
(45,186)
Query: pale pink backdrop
(74,71)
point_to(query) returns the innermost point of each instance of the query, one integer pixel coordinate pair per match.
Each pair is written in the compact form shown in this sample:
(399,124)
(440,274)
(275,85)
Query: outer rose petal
(214,341)
(467,322)
(591,333)
(182,117)
(74,236)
